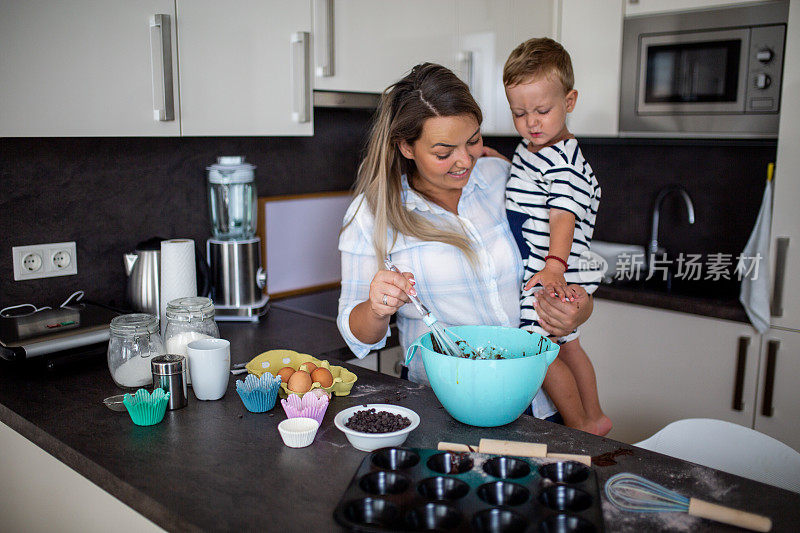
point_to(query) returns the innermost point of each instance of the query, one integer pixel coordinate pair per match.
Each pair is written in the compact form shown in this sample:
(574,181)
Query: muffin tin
(419,489)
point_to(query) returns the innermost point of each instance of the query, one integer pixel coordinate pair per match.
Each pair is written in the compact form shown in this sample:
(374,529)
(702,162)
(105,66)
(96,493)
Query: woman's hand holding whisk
(389,291)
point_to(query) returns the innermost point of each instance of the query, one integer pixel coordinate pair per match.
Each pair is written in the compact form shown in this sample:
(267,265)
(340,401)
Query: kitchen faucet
(652,247)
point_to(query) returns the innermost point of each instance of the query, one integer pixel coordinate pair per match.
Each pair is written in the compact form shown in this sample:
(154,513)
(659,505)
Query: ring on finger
(385,299)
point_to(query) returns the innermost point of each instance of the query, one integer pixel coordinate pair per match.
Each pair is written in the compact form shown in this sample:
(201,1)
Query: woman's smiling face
(444,154)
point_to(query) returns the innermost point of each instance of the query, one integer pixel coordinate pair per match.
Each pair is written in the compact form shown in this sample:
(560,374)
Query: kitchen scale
(71,330)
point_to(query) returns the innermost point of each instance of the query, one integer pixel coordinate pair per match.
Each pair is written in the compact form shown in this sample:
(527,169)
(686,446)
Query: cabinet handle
(323,37)
(466,60)
(301,88)
(161,63)
(781,252)
(769,378)
(741,363)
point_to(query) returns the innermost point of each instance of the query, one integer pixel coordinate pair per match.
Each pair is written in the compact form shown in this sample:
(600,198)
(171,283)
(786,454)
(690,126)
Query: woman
(426,198)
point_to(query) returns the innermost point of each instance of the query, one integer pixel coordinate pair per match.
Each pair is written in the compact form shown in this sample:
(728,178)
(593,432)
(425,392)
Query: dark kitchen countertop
(214,466)
(320,304)
(711,306)
(324,304)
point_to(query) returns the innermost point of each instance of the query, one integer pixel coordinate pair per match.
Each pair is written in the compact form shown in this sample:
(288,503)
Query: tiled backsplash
(108,194)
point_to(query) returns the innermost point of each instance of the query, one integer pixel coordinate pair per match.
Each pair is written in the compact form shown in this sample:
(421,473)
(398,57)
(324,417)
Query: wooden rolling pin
(520,449)
(584,459)
(498,447)
(456,447)
(510,447)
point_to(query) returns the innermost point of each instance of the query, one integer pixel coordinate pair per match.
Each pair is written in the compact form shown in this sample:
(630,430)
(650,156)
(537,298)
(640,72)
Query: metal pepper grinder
(169,373)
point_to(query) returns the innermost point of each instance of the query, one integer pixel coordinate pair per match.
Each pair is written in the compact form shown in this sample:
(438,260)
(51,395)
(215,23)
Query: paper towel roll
(178,273)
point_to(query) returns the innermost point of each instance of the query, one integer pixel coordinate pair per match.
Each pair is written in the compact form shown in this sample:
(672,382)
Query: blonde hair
(428,91)
(537,58)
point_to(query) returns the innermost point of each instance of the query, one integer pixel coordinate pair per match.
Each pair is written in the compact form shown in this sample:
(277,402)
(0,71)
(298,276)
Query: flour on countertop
(637,521)
(364,390)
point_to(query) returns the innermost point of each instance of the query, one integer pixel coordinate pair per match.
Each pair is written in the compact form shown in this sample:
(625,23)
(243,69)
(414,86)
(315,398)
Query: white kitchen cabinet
(488,30)
(785,245)
(245,67)
(647,7)
(591,31)
(376,42)
(654,367)
(31,476)
(86,68)
(778,400)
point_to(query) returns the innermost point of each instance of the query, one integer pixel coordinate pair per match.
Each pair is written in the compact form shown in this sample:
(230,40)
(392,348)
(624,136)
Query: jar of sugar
(189,319)
(133,341)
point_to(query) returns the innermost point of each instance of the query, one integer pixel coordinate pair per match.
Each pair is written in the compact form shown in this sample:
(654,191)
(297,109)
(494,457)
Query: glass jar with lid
(189,319)
(133,341)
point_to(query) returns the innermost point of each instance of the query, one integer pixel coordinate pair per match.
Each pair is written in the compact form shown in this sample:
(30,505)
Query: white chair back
(731,448)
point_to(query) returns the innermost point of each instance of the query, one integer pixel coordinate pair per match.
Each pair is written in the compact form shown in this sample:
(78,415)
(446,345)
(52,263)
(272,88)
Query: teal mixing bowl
(487,392)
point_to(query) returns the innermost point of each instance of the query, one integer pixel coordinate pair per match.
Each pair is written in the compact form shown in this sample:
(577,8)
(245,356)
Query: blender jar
(232,198)
(189,319)
(132,343)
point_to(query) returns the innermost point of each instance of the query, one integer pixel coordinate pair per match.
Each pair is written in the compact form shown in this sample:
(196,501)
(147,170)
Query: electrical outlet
(32,262)
(44,260)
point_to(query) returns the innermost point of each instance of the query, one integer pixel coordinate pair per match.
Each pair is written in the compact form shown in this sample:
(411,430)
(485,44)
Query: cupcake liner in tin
(298,432)
(309,406)
(259,394)
(146,409)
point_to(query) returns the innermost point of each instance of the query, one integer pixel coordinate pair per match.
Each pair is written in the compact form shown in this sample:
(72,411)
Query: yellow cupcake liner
(273,360)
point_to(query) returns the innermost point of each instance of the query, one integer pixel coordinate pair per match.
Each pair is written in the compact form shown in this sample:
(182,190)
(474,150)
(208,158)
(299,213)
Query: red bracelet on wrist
(557,259)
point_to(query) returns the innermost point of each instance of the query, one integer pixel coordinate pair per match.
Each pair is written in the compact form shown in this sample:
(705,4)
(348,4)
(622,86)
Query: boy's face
(539,107)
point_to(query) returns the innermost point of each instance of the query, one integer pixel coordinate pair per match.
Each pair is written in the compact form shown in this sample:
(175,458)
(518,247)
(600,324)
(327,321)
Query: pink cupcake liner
(310,406)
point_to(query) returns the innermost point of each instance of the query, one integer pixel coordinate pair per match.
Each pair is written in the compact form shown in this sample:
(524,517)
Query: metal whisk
(446,344)
(630,492)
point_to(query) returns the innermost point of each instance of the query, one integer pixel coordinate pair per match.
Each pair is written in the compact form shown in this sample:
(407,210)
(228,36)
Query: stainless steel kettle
(143,268)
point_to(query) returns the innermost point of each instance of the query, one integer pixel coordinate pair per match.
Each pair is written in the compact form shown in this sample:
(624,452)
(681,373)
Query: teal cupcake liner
(259,394)
(146,409)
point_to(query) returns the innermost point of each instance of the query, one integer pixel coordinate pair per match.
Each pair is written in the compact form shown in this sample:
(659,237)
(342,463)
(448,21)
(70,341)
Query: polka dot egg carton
(273,360)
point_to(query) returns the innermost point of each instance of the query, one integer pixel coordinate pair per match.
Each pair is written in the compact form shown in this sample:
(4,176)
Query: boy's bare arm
(562,229)
(551,277)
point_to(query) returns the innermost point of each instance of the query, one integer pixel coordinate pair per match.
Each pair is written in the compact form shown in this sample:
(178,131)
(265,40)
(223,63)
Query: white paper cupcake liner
(298,432)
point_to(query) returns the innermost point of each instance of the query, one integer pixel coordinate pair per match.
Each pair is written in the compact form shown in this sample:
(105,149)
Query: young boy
(552,198)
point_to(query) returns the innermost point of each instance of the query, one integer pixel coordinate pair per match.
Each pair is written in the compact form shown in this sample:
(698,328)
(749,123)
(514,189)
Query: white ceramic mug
(209,366)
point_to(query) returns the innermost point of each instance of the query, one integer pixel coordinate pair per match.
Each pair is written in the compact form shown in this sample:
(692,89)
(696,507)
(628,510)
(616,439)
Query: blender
(234,250)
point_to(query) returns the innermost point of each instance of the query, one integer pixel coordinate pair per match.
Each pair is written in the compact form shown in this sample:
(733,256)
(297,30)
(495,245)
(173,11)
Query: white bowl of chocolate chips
(376,425)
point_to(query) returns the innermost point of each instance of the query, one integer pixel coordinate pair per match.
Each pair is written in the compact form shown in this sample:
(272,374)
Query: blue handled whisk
(630,492)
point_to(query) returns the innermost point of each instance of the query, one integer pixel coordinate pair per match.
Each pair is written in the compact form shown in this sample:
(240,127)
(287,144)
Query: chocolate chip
(370,421)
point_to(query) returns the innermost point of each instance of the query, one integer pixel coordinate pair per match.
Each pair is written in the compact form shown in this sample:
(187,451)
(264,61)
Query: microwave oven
(705,73)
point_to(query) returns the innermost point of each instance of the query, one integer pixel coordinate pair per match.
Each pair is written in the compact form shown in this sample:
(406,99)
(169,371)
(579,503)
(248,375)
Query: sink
(615,254)
(623,255)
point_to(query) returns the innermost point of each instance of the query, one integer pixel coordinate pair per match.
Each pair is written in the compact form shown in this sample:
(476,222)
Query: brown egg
(323,376)
(308,367)
(300,382)
(285,373)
